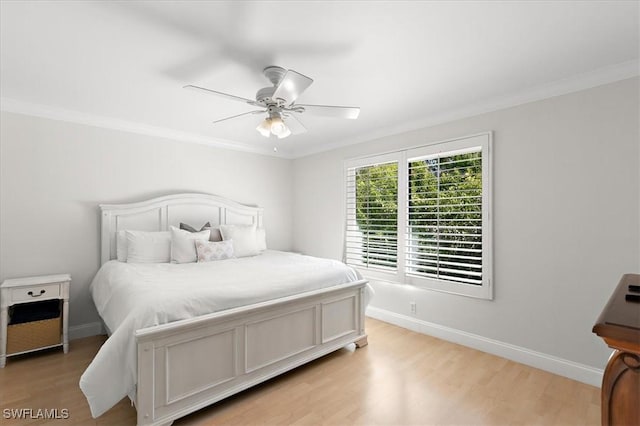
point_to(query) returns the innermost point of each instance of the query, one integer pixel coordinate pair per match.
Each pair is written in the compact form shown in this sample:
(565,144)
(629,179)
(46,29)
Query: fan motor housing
(274,73)
(265,98)
(265,94)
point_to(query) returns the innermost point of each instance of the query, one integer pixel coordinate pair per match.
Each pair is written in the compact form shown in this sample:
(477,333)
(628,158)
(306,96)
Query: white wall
(566,219)
(53,175)
(566,209)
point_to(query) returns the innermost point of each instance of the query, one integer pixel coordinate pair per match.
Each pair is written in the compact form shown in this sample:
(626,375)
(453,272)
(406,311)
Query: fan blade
(294,124)
(225,95)
(292,85)
(332,111)
(239,115)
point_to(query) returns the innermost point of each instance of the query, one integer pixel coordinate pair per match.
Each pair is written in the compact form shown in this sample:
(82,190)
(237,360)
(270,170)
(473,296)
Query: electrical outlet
(412,306)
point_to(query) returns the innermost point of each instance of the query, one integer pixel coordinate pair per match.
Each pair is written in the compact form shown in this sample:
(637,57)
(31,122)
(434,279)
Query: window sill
(484,292)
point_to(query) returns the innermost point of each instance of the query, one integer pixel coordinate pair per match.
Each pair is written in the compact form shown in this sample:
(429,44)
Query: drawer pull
(36,295)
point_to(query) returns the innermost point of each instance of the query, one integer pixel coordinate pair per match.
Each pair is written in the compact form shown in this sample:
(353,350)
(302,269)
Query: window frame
(374,160)
(403,157)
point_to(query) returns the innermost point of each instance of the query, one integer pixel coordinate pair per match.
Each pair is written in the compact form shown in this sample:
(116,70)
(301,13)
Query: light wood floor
(401,378)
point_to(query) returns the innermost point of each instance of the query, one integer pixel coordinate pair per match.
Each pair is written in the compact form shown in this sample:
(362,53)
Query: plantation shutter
(372,216)
(444,238)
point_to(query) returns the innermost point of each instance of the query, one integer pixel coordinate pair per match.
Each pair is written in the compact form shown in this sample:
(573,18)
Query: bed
(270,313)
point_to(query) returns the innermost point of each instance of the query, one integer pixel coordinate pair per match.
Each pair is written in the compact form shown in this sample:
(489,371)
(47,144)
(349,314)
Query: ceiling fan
(278,102)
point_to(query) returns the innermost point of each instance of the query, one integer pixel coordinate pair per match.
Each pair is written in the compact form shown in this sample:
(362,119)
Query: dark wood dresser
(619,326)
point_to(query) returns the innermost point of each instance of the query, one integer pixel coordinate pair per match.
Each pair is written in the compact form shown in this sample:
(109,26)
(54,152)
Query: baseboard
(572,370)
(85,330)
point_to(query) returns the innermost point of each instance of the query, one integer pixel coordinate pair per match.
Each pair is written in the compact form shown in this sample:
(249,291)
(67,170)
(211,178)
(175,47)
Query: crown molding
(576,83)
(77,117)
(572,84)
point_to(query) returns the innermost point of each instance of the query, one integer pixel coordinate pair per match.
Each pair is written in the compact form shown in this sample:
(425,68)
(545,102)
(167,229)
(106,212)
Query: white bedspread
(134,296)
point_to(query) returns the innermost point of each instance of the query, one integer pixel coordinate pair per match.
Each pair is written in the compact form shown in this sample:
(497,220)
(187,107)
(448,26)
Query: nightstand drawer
(35,292)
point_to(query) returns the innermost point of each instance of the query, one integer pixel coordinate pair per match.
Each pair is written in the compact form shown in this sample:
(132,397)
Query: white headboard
(157,214)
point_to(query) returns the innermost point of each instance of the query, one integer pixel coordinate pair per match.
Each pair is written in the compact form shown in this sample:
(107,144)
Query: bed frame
(189,364)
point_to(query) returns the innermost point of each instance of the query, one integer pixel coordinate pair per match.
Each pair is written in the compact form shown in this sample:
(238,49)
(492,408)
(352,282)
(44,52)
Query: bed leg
(361,342)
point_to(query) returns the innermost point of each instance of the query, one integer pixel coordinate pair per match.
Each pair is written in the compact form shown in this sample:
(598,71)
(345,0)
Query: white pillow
(183,244)
(121,246)
(214,250)
(148,247)
(261,239)
(245,242)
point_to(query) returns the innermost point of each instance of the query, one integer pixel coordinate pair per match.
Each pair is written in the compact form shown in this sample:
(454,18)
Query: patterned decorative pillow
(214,250)
(215,231)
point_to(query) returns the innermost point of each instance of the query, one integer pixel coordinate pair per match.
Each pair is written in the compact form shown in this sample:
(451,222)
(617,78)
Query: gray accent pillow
(215,231)
(190,228)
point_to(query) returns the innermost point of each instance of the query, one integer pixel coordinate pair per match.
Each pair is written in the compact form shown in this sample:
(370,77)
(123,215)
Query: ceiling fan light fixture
(265,127)
(273,125)
(284,134)
(278,127)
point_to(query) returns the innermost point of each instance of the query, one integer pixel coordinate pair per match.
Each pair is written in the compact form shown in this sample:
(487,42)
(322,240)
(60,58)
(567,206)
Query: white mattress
(133,296)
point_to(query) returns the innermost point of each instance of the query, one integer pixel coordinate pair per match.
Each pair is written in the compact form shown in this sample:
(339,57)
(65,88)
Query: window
(421,216)
(444,222)
(372,216)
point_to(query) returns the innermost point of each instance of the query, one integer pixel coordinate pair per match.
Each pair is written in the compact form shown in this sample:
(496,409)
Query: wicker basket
(33,335)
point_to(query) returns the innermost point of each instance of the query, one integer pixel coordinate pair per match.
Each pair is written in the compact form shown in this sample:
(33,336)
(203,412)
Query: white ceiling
(406,64)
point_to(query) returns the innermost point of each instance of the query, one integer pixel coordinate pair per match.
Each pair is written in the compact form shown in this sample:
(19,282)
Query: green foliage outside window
(377,213)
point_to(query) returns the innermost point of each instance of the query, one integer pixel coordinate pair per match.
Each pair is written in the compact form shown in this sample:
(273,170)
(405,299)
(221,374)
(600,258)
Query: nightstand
(34,314)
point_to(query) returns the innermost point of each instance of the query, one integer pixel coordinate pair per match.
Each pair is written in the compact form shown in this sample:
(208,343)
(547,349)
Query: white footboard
(186,365)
